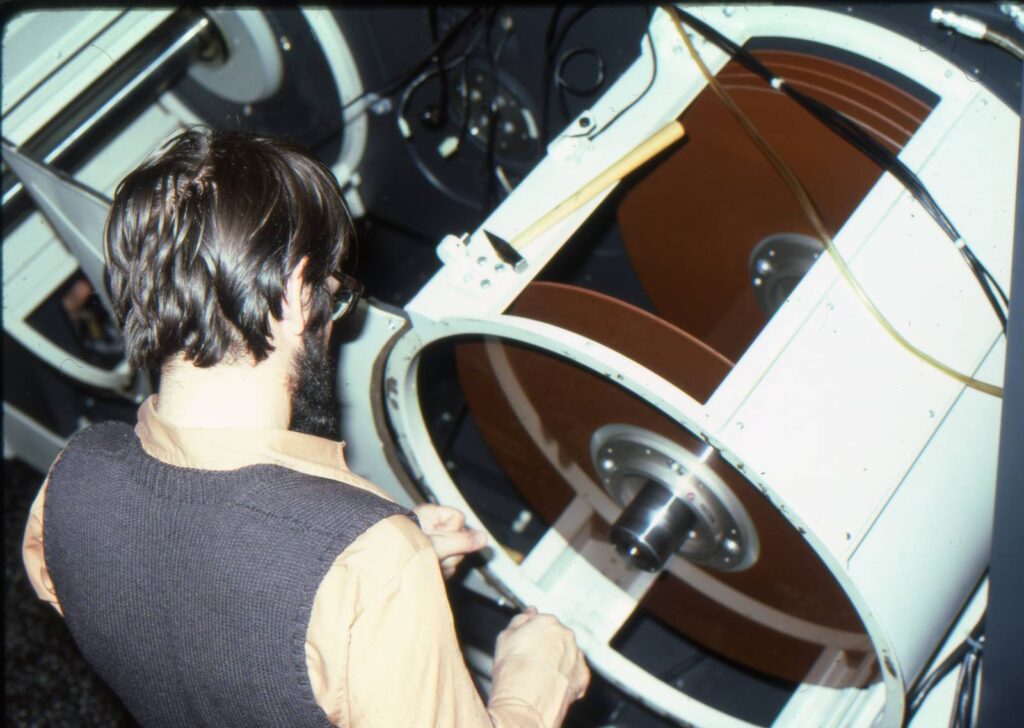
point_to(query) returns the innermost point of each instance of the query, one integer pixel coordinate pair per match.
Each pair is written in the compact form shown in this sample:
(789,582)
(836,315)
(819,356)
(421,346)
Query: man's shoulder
(105,439)
(311,501)
(111,433)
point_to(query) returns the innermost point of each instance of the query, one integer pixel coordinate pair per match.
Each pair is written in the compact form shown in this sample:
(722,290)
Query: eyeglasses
(343,300)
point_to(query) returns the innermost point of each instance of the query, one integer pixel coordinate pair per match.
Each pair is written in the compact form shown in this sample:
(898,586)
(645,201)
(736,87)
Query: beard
(314,405)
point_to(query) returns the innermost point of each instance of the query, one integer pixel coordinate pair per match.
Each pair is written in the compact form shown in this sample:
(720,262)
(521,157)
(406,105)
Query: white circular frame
(445,308)
(413,437)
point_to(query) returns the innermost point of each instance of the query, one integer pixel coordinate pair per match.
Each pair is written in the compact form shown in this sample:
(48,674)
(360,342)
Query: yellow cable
(814,217)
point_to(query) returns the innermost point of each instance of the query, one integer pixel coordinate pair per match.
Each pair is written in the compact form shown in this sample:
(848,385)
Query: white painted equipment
(885,466)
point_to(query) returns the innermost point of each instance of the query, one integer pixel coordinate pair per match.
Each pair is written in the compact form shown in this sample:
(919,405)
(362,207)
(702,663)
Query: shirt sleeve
(382,649)
(32,554)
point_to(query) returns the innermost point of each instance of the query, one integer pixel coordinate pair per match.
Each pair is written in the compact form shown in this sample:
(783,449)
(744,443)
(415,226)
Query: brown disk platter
(689,226)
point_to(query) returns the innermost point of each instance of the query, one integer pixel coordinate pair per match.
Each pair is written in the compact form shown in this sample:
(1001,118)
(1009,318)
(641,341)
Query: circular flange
(305,104)
(253,70)
(776,265)
(722,535)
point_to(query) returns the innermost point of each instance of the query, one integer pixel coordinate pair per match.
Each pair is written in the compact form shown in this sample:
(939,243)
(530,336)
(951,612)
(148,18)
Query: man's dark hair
(202,237)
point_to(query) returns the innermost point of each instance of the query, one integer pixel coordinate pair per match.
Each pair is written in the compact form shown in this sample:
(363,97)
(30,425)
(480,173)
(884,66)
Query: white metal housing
(822,394)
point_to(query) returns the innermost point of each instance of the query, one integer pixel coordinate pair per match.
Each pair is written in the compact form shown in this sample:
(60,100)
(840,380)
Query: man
(215,567)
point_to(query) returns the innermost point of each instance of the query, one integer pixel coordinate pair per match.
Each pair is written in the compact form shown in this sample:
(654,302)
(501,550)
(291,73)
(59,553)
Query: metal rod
(142,74)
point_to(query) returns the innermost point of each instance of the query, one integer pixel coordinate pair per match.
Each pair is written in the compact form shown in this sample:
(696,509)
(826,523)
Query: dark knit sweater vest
(190,591)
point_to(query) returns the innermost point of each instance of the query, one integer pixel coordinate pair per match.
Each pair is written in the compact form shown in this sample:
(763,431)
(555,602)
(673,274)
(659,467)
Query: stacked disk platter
(678,414)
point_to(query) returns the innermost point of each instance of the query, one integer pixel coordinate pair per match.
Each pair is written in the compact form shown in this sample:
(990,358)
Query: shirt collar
(230,449)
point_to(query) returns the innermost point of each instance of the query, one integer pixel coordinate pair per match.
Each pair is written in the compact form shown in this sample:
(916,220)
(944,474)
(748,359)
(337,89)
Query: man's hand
(446,528)
(534,643)
(544,638)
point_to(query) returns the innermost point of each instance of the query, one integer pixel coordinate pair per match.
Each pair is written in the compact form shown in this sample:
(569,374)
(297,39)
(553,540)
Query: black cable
(432,23)
(563,105)
(966,700)
(562,83)
(442,96)
(464,126)
(431,178)
(493,167)
(403,79)
(403,104)
(507,26)
(492,55)
(986,280)
(428,74)
(592,134)
(492,117)
(561,80)
(552,43)
(839,123)
(855,135)
(967,654)
(969,254)
(963,696)
(549,40)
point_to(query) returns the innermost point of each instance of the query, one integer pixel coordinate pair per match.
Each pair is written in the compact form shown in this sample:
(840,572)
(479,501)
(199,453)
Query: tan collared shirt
(380,646)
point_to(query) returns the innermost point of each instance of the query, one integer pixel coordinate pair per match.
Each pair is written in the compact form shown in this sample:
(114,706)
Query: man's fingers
(457,543)
(439,519)
(524,616)
(450,519)
(519,619)
(583,674)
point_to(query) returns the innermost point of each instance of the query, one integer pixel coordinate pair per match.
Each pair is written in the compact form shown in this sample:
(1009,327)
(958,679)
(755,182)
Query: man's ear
(297,300)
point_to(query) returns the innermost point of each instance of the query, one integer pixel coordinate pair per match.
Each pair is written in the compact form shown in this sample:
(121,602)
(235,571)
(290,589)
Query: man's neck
(236,395)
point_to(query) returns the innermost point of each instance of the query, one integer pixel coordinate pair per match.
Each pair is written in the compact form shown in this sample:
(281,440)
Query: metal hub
(253,68)
(673,503)
(777,264)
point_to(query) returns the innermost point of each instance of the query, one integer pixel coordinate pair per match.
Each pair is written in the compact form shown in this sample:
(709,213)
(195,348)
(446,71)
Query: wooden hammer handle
(654,144)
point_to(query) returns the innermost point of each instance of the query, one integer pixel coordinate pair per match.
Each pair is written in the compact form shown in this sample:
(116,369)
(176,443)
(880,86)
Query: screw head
(731,546)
